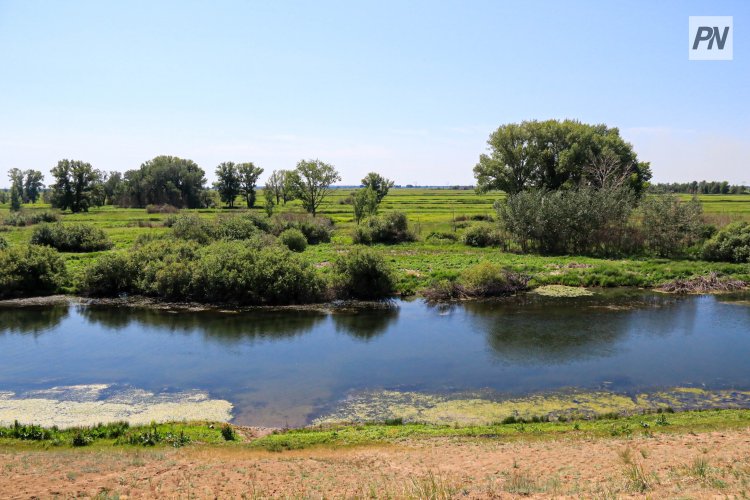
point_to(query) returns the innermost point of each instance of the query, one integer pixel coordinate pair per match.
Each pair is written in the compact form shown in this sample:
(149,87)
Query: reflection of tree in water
(31,320)
(366,323)
(222,327)
(544,330)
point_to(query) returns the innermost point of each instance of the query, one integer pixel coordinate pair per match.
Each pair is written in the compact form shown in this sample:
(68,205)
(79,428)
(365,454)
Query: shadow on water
(33,321)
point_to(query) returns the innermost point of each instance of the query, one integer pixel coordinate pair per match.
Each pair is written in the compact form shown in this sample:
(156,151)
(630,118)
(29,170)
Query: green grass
(205,433)
(418,264)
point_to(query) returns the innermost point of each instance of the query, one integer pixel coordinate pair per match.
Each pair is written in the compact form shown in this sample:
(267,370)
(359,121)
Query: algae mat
(473,409)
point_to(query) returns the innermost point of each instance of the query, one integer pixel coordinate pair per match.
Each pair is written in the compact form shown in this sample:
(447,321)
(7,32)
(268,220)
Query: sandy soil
(699,466)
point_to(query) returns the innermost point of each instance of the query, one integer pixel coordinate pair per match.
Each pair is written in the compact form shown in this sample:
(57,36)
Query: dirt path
(698,466)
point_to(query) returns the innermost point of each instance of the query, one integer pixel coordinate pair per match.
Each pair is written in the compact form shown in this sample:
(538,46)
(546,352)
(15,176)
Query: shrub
(29,270)
(3,243)
(482,235)
(161,209)
(71,237)
(731,244)
(109,275)
(316,229)
(234,272)
(671,225)
(439,237)
(363,274)
(390,228)
(235,228)
(481,280)
(576,221)
(164,268)
(294,240)
(192,227)
(228,433)
(28,219)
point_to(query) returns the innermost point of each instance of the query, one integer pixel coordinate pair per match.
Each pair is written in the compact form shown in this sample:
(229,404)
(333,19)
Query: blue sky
(407,88)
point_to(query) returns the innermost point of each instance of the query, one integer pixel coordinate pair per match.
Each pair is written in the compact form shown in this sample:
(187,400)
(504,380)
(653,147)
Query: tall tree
(114,188)
(379,184)
(16,189)
(312,182)
(165,180)
(248,174)
(275,185)
(365,203)
(228,184)
(74,183)
(32,185)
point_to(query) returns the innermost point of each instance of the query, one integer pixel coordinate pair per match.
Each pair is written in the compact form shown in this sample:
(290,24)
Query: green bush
(235,228)
(440,237)
(161,209)
(192,227)
(109,275)
(29,270)
(294,240)
(731,244)
(29,218)
(163,268)
(316,229)
(71,237)
(670,225)
(481,280)
(390,228)
(3,243)
(482,235)
(363,274)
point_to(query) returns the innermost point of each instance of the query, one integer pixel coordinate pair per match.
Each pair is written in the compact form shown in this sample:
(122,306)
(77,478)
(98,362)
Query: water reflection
(31,320)
(366,323)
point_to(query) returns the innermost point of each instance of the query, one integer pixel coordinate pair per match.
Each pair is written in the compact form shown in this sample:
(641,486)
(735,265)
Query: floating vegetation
(385,406)
(562,291)
(88,405)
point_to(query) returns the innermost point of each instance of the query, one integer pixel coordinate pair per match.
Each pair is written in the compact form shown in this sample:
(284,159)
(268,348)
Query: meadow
(417,264)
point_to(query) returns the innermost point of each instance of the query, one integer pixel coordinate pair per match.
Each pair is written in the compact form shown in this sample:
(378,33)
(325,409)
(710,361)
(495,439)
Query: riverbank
(691,454)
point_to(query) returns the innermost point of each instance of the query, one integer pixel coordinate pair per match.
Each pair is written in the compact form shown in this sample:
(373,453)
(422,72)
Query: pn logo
(710,38)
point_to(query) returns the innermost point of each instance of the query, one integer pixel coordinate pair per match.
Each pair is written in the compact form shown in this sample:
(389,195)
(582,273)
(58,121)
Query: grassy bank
(172,435)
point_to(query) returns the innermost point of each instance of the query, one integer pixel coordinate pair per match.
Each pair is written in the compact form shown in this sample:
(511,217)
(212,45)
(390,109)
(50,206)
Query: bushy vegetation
(164,208)
(363,274)
(71,237)
(731,244)
(316,229)
(236,227)
(3,243)
(20,219)
(29,270)
(294,240)
(390,228)
(576,221)
(484,279)
(670,225)
(483,235)
(238,272)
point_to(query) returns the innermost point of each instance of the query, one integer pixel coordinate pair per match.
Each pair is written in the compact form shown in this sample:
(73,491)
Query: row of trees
(26,187)
(702,187)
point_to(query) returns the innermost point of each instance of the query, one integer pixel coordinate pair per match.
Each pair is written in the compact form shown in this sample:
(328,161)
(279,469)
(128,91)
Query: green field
(418,263)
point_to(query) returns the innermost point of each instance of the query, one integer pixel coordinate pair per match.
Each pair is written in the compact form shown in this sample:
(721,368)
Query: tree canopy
(312,181)
(165,180)
(248,175)
(75,181)
(379,184)
(228,183)
(557,154)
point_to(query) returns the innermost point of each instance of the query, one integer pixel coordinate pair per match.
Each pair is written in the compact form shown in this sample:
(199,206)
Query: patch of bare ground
(667,465)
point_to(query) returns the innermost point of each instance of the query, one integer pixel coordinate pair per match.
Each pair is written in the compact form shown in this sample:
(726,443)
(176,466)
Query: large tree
(312,182)
(74,183)
(379,184)
(248,174)
(556,154)
(228,182)
(165,180)
(275,185)
(32,185)
(16,189)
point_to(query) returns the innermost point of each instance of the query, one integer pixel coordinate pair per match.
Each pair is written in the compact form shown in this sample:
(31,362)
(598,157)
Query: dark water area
(287,367)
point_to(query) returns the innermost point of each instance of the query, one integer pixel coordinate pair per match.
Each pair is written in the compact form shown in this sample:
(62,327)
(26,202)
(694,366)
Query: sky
(410,89)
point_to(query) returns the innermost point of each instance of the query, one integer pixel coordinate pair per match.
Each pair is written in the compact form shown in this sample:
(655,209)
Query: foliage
(16,189)
(577,221)
(670,225)
(365,203)
(316,229)
(109,275)
(3,243)
(228,433)
(32,185)
(482,235)
(440,236)
(74,185)
(312,183)
(190,226)
(164,208)
(390,228)
(269,204)
(363,274)
(165,179)
(28,270)
(480,280)
(71,237)
(731,244)
(21,219)
(379,184)
(279,186)
(554,154)
(248,175)
(294,240)
(228,182)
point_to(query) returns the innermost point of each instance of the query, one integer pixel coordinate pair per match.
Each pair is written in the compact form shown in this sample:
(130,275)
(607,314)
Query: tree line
(702,187)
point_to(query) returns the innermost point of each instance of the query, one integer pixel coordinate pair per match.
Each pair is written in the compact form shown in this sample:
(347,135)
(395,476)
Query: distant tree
(290,182)
(269,196)
(248,175)
(3,196)
(32,185)
(312,182)
(364,203)
(114,187)
(228,184)
(74,183)
(16,189)
(379,184)
(670,225)
(165,180)
(275,185)
(555,154)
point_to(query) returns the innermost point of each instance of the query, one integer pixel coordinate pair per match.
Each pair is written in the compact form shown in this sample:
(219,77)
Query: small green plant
(294,240)
(662,419)
(81,438)
(228,433)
